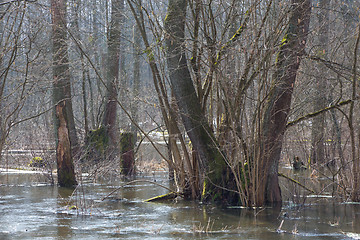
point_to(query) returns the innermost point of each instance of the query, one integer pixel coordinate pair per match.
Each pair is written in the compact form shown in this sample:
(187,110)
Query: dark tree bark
(110,113)
(278,104)
(66,139)
(127,154)
(211,161)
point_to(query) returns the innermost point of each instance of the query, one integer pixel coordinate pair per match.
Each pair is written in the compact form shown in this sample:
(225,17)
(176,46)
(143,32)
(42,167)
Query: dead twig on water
(138,181)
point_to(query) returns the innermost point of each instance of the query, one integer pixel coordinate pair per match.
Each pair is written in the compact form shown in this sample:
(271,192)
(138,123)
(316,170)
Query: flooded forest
(179,119)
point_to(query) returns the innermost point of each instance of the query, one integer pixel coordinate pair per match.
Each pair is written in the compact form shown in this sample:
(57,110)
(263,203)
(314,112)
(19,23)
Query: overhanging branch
(314,114)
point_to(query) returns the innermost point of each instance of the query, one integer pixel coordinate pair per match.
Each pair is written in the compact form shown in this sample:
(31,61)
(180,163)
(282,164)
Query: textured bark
(110,113)
(353,125)
(211,161)
(136,77)
(61,72)
(127,158)
(2,132)
(66,174)
(66,144)
(2,83)
(278,104)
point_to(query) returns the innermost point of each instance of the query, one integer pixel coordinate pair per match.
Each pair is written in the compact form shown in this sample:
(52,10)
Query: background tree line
(240,87)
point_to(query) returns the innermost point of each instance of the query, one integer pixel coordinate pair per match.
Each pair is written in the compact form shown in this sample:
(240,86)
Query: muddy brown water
(31,208)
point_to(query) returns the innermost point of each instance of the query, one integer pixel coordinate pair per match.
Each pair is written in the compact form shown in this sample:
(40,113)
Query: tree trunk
(318,126)
(127,158)
(136,85)
(211,161)
(66,174)
(354,127)
(66,139)
(110,113)
(278,104)
(2,137)
(2,83)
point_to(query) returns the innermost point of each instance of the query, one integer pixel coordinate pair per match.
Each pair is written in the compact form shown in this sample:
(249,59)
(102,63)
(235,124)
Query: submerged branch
(139,181)
(168,196)
(296,182)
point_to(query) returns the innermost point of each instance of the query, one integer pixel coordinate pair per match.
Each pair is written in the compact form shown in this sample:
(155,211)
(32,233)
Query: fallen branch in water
(168,196)
(296,182)
(138,181)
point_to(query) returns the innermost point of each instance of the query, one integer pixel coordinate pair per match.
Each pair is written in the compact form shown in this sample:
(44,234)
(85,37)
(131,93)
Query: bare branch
(314,114)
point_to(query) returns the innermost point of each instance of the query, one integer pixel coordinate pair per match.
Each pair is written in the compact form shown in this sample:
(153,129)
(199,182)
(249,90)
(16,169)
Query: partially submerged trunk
(211,160)
(65,167)
(278,105)
(127,158)
(66,139)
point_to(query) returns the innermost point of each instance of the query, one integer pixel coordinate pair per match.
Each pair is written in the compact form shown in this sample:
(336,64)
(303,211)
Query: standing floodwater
(32,209)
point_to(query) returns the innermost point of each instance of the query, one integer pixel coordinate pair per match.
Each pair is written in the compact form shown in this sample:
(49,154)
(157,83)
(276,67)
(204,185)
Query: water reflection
(63,219)
(32,209)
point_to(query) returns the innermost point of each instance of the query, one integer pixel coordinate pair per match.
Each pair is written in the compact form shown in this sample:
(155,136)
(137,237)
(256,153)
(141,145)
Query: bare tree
(212,162)
(110,113)
(320,81)
(279,101)
(66,139)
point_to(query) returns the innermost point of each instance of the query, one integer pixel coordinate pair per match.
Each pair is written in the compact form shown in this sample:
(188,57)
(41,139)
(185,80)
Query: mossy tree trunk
(211,161)
(66,139)
(278,104)
(127,159)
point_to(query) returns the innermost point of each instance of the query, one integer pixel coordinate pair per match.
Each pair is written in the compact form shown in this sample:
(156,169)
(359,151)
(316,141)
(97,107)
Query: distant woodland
(235,88)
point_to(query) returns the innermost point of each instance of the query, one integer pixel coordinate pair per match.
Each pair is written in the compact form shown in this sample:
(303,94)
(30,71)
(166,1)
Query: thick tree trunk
(211,161)
(127,159)
(66,139)
(66,174)
(110,113)
(278,105)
